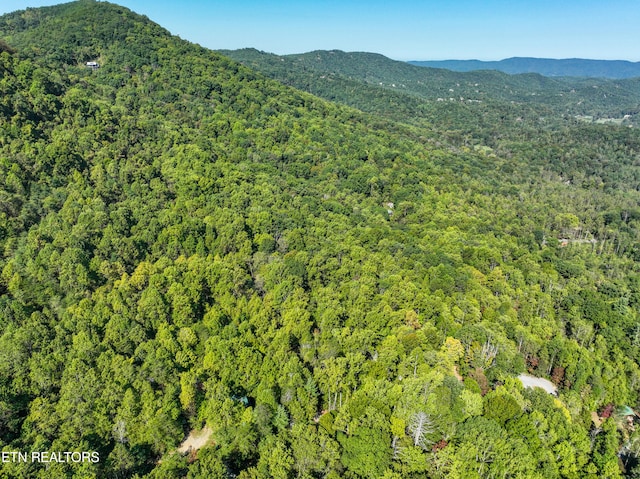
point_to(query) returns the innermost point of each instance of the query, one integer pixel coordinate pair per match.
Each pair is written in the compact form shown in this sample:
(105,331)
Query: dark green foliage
(501,408)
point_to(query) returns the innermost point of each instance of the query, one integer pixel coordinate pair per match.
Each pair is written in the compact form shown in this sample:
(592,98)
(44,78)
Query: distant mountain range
(573,67)
(355,78)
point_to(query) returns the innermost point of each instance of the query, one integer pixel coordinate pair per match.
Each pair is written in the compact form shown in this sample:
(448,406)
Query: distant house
(93,65)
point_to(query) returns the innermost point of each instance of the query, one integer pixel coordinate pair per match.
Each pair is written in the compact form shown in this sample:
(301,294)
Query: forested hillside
(541,131)
(480,91)
(185,242)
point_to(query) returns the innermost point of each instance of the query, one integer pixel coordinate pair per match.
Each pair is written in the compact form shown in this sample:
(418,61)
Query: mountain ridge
(599,98)
(567,67)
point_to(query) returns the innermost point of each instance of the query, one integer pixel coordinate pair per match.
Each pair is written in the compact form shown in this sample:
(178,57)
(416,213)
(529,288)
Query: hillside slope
(563,96)
(535,133)
(186,242)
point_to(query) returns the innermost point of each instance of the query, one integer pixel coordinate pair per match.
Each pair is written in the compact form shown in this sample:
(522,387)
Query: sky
(402,29)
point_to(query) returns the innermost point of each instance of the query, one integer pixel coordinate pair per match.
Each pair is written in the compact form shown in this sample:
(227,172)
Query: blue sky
(404,29)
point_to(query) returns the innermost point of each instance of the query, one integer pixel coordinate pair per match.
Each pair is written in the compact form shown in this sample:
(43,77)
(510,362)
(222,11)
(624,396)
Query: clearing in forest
(195,440)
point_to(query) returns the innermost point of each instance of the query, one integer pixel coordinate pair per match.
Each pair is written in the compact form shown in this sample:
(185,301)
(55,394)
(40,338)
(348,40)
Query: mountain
(571,67)
(330,72)
(185,242)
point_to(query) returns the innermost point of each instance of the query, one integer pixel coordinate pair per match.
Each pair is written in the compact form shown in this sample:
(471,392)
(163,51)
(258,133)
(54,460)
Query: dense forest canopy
(185,242)
(558,98)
